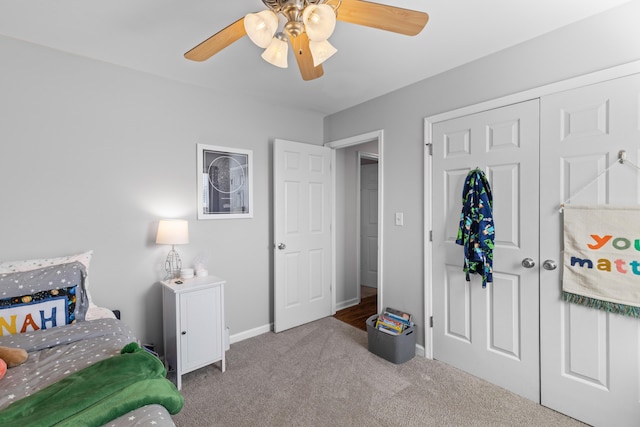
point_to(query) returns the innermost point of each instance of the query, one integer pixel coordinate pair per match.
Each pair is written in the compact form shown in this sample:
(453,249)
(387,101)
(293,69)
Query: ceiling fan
(309,23)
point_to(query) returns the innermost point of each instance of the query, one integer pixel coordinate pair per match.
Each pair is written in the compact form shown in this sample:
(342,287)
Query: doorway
(358,254)
(366,237)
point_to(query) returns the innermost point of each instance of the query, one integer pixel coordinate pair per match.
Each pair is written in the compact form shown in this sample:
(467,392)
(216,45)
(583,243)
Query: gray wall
(610,39)
(93,155)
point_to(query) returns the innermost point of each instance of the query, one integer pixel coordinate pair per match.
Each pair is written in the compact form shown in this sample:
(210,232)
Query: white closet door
(491,333)
(590,361)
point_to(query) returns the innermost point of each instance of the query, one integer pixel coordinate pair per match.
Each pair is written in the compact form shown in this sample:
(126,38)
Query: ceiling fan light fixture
(307,21)
(319,21)
(321,51)
(261,27)
(276,52)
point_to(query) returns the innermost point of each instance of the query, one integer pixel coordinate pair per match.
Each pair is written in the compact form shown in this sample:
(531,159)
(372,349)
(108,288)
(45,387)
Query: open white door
(302,233)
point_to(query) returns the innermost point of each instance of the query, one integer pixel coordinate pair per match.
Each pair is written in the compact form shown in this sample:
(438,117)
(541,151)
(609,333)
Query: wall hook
(622,156)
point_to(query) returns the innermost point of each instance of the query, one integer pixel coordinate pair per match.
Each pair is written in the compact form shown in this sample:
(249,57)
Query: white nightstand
(194,327)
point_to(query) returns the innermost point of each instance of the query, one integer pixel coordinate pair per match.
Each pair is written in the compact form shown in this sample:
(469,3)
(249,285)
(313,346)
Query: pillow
(33,264)
(42,310)
(45,286)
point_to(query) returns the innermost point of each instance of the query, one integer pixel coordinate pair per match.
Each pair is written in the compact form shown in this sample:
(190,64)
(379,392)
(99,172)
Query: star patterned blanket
(98,393)
(57,353)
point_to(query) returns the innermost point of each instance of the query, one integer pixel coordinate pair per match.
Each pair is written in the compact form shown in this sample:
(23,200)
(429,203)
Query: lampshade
(261,27)
(173,232)
(276,53)
(319,21)
(321,51)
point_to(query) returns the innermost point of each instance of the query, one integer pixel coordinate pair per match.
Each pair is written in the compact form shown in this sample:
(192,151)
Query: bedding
(34,264)
(46,309)
(93,311)
(60,352)
(42,298)
(99,393)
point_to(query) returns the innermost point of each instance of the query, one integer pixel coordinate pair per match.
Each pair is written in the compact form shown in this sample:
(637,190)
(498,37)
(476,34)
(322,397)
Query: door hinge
(431,235)
(431,322)
(430,149)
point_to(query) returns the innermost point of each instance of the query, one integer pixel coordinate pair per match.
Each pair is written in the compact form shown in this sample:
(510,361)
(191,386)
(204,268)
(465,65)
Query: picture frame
(225,182)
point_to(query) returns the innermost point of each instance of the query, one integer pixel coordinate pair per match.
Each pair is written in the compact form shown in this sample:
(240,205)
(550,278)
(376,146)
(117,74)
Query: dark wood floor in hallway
(357,315)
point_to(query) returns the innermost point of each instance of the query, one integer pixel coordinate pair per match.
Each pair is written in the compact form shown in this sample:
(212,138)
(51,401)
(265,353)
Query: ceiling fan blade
(383,17)
(302,52)
(217,42)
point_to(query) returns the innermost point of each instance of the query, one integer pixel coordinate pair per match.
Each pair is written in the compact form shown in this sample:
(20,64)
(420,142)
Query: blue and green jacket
(476,232)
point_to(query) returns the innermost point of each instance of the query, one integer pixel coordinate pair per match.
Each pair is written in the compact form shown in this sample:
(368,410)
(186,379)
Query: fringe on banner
(611,307)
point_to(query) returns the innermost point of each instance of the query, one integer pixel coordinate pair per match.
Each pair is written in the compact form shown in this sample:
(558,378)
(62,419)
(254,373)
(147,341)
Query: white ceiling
(152,36)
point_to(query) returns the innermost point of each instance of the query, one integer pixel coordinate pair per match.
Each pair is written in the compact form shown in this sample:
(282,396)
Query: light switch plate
(399,218)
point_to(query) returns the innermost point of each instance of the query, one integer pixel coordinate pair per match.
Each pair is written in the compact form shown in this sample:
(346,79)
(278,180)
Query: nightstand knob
(184,332)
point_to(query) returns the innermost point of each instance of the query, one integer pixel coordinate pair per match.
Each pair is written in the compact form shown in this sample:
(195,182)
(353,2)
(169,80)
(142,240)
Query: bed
(84,366)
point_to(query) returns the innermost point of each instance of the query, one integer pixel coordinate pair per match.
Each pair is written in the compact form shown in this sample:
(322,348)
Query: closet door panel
(590,359)
(490,332)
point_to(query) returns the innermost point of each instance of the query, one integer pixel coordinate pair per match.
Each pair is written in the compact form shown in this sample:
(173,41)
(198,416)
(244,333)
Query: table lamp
(173,232)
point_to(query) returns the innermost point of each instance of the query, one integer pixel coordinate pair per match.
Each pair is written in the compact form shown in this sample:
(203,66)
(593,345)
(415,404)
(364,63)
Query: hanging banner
(601,262)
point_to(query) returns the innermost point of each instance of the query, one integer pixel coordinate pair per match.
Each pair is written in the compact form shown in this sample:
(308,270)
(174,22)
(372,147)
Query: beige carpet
(322,374)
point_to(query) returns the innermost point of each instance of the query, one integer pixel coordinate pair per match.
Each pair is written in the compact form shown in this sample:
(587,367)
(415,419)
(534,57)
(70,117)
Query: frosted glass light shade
(173,232)
(321,51)
(261,27)
(276,53)
(319,21)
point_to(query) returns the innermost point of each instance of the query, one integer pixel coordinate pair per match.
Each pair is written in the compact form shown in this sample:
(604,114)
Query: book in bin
(393,321)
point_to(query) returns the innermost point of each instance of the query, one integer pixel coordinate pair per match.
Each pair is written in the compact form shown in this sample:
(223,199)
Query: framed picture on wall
(225,182)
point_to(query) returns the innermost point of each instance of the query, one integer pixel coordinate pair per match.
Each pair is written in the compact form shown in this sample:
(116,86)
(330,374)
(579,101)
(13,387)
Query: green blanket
(98,394)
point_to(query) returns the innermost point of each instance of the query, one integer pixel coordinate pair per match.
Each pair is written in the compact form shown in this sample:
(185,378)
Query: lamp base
(173,264)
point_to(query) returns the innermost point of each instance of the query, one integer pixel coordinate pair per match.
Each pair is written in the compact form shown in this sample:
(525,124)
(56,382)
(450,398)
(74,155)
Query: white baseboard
(346,304)
(420,350)
(250,333)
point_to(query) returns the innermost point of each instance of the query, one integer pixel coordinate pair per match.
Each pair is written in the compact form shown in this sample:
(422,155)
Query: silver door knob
(282,246)
(549,265)
(528,263)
